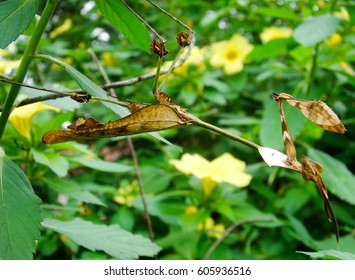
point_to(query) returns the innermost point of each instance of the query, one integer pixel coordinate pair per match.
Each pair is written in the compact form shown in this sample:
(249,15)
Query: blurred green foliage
(96,180)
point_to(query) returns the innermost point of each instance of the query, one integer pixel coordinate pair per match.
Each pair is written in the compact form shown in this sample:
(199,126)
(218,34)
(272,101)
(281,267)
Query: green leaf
(155,179)
(293,200)
(300,232)
(57,163)
(279,13)
(270,132)
(19,212)
(126,22)
(185,243)
(316,29)
(73,190)
(330,254)
(165,206)
(189,222)
(92,89)
(246,211)
(271,49)
(337,177)
(111,239)
(15,16)
(101,165)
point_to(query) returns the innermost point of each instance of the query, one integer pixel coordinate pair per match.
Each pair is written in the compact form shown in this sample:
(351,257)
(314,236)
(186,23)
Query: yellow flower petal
(192,164)
(334,40)
(208,186)
(192,209)
(225,168)
(212,230)
(21,117)
(230,54)
(108,59)
(8,64)
(273,32)
(343,13)
(346,68)
(230,169)
(67,24)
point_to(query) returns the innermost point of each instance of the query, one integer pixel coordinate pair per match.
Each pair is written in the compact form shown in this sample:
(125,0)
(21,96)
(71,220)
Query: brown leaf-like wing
(316,111)
(312,170)
(147,119)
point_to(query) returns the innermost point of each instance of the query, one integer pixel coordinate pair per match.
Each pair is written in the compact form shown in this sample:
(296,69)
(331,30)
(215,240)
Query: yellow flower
(108,59)
(21,117)
(225,168)
(212,230)
(10,49)
(208,186)
(346,68)
(197,57)
(334,39)
(230,54)
(343,14)
(67,24)
(191,209)
(126,193)
(320,4)
(273,32)
(5,65)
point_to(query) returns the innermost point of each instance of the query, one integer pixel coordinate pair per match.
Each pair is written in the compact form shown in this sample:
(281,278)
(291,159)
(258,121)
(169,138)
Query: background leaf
(316,29)
(19,212)
(73,189)
(92,89)
(15,16)
(102,165)
(126,22)
(337,177)
(270,132)
(330,254)
(279,13)
(57,163)
(112,239)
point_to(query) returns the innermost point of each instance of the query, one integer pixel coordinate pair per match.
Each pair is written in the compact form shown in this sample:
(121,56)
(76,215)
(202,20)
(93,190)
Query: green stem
(169,70)
(310,77)
(25,63)
(117,102)
(218,130)
(157,75)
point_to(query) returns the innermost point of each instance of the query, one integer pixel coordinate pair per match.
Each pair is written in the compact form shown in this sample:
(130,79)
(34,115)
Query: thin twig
(133,152)
(310,77)
(230,229)
(170,15)
(151,29)
(141,189)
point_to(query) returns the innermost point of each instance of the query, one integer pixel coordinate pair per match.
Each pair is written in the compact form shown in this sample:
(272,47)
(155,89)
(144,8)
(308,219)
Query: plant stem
(310,77)
(218,130)
(25,62)
(151,29)
(170,15)
(157,75)
(172,66)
